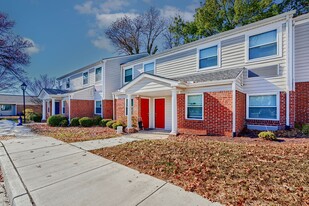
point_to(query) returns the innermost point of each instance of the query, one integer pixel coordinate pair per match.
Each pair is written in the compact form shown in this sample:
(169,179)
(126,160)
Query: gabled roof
(60,91)
(211,76)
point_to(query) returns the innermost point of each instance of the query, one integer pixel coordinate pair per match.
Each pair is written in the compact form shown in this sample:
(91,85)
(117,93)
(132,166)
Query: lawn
(73,134)
(239,171)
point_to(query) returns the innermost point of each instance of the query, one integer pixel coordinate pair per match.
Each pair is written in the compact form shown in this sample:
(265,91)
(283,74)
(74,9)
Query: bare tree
(153,27)
(12,55)
(125,34)
(42,82)
(133,35)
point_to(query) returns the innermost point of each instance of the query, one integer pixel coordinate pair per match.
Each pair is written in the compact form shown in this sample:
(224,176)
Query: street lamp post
(24,87)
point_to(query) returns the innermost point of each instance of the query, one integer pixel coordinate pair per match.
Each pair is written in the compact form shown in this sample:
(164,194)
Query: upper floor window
(67,84)
(194,106)
(208,57)
(263,107)
(128,75)
(263,45)
(98,74)
(85,78)
(149,68)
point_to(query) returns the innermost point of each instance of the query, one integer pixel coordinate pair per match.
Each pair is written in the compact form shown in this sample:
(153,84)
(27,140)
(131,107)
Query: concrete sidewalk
(51,173)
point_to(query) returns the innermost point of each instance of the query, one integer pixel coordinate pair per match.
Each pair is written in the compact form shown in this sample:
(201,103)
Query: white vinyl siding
(302,52)
(263,106)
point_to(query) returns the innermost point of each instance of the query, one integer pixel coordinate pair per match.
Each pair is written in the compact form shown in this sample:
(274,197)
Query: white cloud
(103,43)
(170,11)
(113,5)
(104,20)
(34,49)
(85,8)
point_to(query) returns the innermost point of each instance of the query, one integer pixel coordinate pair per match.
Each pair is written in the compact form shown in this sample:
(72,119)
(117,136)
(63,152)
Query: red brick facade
(282,117)
(120,108)
(35,108)
(302,102)
(81,108)
(107,106)
(217,115)
(240,111)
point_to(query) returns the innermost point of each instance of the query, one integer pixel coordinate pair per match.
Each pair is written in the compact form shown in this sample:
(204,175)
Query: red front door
(160,113)
(145,112)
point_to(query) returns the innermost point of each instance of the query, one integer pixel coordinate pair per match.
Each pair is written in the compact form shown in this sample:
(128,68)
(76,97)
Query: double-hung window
(149,68)
(98,107)
(208,57)
(85,78)
(263,107)
(98,74)
(6,107)
(263,45)
(132,104)
(194,106)
(68,83)
(63,106)
(128,75)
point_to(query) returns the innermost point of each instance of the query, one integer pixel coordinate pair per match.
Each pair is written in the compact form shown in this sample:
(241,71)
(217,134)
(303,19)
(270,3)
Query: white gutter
(234,107)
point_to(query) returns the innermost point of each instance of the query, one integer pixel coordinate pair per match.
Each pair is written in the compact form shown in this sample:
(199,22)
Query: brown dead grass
(74,134)
(239,171)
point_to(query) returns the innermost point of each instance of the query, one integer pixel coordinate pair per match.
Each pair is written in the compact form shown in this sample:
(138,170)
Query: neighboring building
(255,75)
(86,91)
(11,105)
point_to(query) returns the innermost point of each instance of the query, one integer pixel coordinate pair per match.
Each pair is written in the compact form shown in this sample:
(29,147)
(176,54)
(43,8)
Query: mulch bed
(74,134)
(232,171)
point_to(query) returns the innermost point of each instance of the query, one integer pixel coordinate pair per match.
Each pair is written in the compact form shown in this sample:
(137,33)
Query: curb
(17,193)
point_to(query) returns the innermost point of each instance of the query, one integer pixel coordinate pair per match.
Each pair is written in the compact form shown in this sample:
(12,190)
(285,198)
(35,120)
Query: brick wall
(292,108)
(35,108)
(302,102)
(120,108)
(107,106)
(82,108)
(240,111)
(282,119)
(217,115)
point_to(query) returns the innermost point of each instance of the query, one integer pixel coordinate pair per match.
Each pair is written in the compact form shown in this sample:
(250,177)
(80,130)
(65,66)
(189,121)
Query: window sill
(263,58)
(262,119)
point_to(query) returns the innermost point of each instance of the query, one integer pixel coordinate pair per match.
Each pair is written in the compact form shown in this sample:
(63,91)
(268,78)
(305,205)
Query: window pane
(98,74)
(68,83)
(194,112)
(263,100)
(128,75)
(209,62)
(6,107)
(132,103)
(262,39)
(263,112)
(209,52)
(149,68)
(98,106)
(263,51)
(194,100)
(85,78)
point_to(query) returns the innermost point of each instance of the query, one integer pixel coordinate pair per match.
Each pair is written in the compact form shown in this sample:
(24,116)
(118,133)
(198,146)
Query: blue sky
(68,34)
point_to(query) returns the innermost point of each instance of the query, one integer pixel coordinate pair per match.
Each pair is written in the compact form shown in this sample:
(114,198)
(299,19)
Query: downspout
(234,107)
(69,108)
(289,70)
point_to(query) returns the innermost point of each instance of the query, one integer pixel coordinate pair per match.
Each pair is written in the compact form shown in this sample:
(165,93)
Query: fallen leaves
(239,171)
(74,134)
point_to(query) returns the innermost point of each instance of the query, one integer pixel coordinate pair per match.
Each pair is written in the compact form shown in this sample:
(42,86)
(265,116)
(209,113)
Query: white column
(174,113)
(129,116)
(44,110)
(53,106)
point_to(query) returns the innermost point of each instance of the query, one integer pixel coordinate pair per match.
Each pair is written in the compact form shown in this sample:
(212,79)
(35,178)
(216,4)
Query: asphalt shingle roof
(211,76)
(56,91)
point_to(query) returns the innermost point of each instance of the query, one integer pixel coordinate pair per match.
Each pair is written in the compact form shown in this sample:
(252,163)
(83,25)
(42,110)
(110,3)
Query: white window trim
(205,46)
(95,69)
(125,106)
(83,77)
(262,30)
(124,76)
(154,65)
(62,103)
(95,107)
(186,106)
(66,83)
(261,94)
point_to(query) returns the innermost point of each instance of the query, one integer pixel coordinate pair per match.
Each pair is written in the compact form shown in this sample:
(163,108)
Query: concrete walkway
(45,171)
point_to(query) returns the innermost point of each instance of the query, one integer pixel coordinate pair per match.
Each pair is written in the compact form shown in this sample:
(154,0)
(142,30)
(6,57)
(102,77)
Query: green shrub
(118,123)
(86,122)
(97,120)
(36,117)
(64,123)
(29,113)
(267,136)
(55,120)
(104,122)
(74,122)
(298,126)
(110,123)
(305,129)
